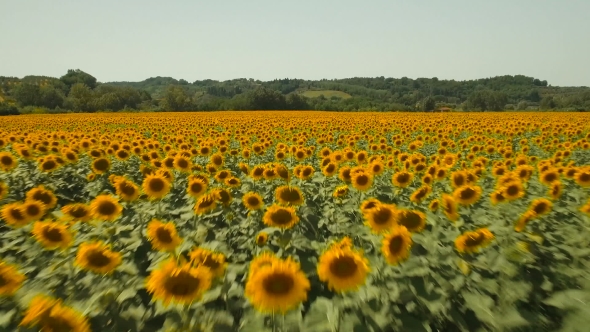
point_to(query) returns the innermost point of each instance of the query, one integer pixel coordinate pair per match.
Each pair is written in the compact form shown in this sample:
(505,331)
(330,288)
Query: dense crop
(295,221)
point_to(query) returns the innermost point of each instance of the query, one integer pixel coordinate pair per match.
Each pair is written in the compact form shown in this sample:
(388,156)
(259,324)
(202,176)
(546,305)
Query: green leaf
(126,294)
(6,317)
(568,299)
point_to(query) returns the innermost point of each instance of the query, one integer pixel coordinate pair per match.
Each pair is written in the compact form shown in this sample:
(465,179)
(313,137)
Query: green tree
(80,98)
(296,101)
(78,76)
(266,99)
(51,97)
(176,99)
(547,103)
(27,94)
(428,104)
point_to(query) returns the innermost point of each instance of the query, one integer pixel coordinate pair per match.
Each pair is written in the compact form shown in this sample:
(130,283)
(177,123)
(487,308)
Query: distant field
(326,93)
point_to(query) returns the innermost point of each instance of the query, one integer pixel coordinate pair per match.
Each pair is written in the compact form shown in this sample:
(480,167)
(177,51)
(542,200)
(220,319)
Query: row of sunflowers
(294,221)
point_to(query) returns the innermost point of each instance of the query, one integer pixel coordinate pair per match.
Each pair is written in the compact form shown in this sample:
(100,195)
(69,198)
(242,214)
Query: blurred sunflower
(549,176)
(362,181)
(101,165)
(524,219)
(163,236)
(52,235)
(49,314)
(232,182)
(106,207)
(43,195)
(467,195)
(343,269)
(3,190)
(156,186)
(252,201)
(433,205)
(214,261)
(289,195)
(402,179)
(512,191)
(10,279)
(97,257)
(33,210)
(180,284)
(7,161)
(196,187)
(340,191)
(261,239)
(368,204)
(582,177)
(14,215)
(206,203)
(449,206)
(127,190)
(541,206)
(555,190)
(330,169)
(472,242)
(497,197)
(266,258)
(412,220)
(396,245)
(381,218)
(257,172)
(278,287)
(420,194)
(77,211)
(280,216)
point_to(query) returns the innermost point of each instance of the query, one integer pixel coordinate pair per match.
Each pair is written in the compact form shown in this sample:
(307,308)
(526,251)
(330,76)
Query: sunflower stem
(272,321)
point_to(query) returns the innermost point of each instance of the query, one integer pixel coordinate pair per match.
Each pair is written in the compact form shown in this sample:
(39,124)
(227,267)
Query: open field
(295,221)
(326,93)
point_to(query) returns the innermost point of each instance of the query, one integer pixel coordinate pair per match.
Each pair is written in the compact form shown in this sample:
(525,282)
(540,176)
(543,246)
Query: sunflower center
(410,220)
(43,197)
(78,212)
(282,217)
(395,244)
(403,178)
(382,216)
(584,176)
(48,165)
(98,259)
(540,208)
(512,190)
(474,240)
(467,193)
(56,323)
(127,189)
(196,187)
(459,180)
(163,235)
(330,168)
(290,195)
(206,203)
(343,267)
(52,234)
(258,171)
(362,180)
(101,164)
(6,160)
(16,214)
(211,262)
(278,284)
(32,210)
(306,172)
(156,185)
(106,208)
(253,201)
(550,177)
(182,283)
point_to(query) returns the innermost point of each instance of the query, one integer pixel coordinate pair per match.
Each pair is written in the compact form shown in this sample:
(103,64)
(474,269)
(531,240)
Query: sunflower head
(214,261)
(10,279)
(182,284)
(396,245)
(43,195)
(402,179)
(206,203)
(277,287)
(472,242)
(541,206)
(381,218)
(261,239)
(33,210)
(524,219)
(343,268)
(127,190)
(420,194)
(163,236)
(289,195)
(449,206)
(97,257)
(369,204)
(49,314)
(52,235)
(156,186)
(340,191)
(14,215)
(361,181)
(106,207)
(77,212)
(280,216)
(101,165)
(467,194)
(252,201)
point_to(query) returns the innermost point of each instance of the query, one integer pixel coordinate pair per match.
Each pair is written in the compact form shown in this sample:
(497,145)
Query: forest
(78,91)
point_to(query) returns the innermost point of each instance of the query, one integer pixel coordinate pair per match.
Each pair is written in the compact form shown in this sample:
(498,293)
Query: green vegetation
(78,91)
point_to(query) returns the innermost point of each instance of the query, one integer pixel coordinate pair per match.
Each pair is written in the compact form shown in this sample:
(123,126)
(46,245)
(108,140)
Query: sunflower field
(295,221)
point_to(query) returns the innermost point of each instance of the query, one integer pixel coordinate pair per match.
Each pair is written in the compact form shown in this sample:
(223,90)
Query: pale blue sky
(262,39)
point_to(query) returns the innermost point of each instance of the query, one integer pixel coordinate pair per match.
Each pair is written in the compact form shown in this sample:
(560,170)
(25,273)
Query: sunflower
(206,203)
(97,257)
(512,191)
(420,194)
(257,172)
(214,261)
(183,284)
(278,287)
(362,181)
(77,211)
(10,279)
(497,197)
(101,165)
(344,174)
(196,187)
(14,215)
(49,314)
(244,168)
(555,190)
(412,220)
(33,210)
(127,190)
(289,195)
(541,206)
(467,195)
(368,204)
(252,201)
(43,195)
(266,258)
(48,165)
(163,236)
(472,242)
(524,219)
(582,177)
(232,182)
(549,176)
(280,216)
(106,207)
(449,206)
(7,161)
(402,179)
(396,245)
(307,172)
(343,269)
(261,239)
(3,190)
(586,208)
(433,205)
(182,163)
(381,218)
(330,169)
(156,186)
(52,235)
(340,191)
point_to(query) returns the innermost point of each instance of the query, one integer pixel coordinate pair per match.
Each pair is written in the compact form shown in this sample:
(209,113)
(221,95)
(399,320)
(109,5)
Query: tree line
(78,91)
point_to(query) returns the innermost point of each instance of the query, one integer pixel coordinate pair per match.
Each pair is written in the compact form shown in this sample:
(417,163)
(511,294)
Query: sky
(129,40)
